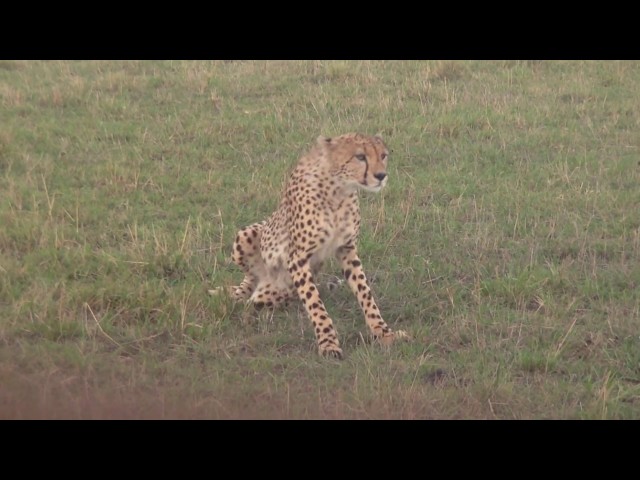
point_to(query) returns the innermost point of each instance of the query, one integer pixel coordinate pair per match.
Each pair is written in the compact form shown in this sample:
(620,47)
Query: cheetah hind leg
(267,296)
(245,254)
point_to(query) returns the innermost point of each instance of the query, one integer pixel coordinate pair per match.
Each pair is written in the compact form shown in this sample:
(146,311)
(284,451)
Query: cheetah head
(360,161)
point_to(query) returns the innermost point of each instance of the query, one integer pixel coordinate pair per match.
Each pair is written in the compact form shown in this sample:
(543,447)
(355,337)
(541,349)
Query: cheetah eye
(361,156)
(384,156)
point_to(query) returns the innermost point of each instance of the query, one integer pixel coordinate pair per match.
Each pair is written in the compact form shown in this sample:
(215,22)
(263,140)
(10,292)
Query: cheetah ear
(378,136)
(323,141)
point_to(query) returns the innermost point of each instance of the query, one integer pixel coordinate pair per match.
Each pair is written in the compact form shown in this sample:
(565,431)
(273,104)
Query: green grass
(507,242)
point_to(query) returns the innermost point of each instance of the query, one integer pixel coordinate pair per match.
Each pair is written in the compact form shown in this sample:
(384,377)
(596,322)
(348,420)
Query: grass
(507,241)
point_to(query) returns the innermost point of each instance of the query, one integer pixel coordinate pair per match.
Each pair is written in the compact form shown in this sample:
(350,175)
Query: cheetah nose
(380,176)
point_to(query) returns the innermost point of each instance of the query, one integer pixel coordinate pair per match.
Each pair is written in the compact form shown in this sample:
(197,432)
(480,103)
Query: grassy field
(507,242)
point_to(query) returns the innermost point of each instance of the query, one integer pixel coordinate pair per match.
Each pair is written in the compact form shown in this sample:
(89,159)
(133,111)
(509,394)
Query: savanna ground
(507,242)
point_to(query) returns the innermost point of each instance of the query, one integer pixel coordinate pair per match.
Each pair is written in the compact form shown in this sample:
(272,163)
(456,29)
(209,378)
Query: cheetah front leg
(355,277)
(326,335)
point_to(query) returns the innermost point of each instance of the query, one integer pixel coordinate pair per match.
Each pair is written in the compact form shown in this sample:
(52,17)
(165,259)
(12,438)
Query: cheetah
(318,217)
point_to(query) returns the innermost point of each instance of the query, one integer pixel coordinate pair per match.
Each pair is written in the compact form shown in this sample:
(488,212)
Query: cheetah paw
(330,350)
(230,291)
(390,337)
(334,282)
(402,335)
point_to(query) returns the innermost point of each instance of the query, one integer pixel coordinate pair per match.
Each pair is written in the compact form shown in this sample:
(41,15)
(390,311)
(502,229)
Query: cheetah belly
(339,229)
(276,260)
(339,236)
